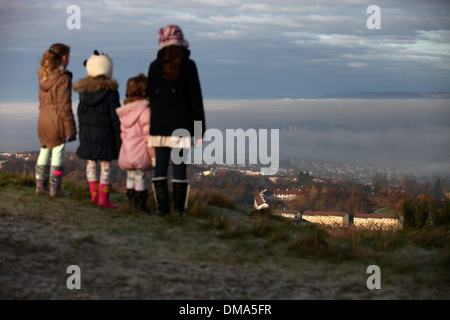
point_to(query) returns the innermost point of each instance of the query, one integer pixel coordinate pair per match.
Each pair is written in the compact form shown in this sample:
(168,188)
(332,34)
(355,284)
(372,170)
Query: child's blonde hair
(52,59)
(136,88)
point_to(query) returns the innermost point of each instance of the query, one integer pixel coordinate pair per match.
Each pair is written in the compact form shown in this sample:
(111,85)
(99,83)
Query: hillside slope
(213,253)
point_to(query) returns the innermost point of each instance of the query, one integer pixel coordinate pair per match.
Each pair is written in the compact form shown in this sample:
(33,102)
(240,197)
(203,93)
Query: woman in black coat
(99,125)
(176,103)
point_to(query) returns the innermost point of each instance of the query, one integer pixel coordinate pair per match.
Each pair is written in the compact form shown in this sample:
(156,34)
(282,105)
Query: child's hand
(71,138)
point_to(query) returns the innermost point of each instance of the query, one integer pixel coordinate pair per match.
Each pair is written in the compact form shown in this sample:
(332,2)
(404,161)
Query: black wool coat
(99,125)
(174,104)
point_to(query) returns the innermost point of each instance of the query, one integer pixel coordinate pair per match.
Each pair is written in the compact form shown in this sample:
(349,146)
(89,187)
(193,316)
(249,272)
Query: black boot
(131,198)
(180,195)
(161,192)
(141,201)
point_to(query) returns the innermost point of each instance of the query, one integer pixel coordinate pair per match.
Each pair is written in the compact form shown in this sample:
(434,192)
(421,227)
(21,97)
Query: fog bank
(405,134)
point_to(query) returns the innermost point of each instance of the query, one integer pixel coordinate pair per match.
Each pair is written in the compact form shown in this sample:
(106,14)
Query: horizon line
(363,95)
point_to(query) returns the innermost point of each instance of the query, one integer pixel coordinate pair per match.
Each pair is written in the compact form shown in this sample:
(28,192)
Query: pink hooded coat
(135,130)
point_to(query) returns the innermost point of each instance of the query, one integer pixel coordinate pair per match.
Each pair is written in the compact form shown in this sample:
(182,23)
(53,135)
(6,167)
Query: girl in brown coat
(56,124)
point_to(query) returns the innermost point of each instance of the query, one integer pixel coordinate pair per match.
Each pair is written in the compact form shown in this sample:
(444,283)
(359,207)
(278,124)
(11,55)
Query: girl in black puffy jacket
(99,125)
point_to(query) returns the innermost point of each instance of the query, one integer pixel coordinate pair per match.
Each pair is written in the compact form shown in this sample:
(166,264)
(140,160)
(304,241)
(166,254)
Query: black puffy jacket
(99,125)
(174,104)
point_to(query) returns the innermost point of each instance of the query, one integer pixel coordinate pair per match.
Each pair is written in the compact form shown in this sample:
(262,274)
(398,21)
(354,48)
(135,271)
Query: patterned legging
(136,180)
(91,171)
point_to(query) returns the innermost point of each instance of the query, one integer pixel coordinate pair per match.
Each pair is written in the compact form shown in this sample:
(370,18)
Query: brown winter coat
(56,121)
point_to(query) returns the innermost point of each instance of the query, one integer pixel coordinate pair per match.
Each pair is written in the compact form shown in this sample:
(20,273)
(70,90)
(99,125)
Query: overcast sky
(244,49)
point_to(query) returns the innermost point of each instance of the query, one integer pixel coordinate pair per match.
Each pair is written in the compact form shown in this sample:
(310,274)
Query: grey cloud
(251,49)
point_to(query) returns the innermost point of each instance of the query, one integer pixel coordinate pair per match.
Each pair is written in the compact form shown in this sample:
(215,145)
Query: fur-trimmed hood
(130,112)
(94,90)
(92,84)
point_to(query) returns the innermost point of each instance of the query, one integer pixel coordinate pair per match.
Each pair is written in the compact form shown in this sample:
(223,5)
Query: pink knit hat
(171,34)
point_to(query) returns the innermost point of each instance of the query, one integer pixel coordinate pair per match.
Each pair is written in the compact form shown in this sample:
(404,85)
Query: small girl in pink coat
(135,156)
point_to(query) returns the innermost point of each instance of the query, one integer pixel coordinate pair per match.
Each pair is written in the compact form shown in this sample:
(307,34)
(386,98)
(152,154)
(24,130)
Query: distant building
(260,203)
(287,195)
(372,221)
(24,154)
(263,200)
(250,172)
(377,221)
(331,218)
(276,178)
(290,214)
(2,162)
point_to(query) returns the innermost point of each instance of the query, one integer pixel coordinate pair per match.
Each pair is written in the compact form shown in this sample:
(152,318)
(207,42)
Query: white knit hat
(99,65)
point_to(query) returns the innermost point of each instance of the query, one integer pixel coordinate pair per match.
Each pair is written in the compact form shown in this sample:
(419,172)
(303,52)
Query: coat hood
(129,113)
(52,79)
(94,90)
(162,53)
(92,84)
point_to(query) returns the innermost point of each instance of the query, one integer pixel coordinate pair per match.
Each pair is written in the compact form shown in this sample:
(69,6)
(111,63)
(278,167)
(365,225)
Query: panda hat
(99,65)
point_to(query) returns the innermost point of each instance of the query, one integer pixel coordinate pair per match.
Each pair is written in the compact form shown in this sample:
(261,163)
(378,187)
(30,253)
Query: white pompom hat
(99,65)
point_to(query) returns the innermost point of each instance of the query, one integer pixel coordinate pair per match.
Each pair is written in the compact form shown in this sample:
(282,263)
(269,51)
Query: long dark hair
(172,61)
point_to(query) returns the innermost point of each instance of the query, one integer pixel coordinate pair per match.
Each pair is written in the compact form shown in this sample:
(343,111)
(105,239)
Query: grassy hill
(212,253)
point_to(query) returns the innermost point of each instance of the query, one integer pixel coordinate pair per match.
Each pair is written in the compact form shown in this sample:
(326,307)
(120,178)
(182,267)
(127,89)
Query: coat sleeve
(144,121)
(149,83)
(115,103)
(64,103)
(80,114)
(195,95)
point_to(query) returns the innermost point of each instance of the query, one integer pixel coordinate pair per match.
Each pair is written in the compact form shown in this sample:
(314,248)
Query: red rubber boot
(93,188)
(103,196)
